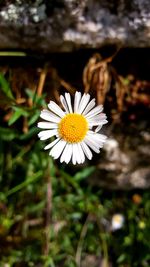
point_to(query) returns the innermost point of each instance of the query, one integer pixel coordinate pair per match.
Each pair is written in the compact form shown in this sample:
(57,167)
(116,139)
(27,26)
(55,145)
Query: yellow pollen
(73,128)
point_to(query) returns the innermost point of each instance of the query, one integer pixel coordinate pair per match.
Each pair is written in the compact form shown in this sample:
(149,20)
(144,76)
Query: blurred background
(97,213)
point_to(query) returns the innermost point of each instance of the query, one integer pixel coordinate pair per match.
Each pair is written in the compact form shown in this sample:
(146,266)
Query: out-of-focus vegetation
(50,215)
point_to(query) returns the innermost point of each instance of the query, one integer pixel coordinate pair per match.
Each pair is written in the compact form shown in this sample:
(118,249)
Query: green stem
(25,183)
(12,54)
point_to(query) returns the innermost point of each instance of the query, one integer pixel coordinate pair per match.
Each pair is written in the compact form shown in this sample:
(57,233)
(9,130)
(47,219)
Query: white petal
(51,144)
(86,150)
(102,116)
(77,101)
(57,149)
(89,106)
(44,135)
(91,144)
(97,123)
(83,103)
(64,154)
(82,156)
(75,154)
(94,111)
(56,109)
(105,121)
(98,136)
(49,116)
(68,100)
(73,157)
(99,118)
(93,123)
(96,139)
(67,153)
(98,128)
(47,125)
(64,103)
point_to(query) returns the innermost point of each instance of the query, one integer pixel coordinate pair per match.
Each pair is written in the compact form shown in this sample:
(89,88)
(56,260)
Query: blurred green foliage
(77,224)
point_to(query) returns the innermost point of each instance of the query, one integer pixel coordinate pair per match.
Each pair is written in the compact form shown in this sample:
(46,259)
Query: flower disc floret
(73,128)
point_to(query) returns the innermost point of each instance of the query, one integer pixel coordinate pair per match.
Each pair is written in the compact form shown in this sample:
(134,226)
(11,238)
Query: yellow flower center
(73,128)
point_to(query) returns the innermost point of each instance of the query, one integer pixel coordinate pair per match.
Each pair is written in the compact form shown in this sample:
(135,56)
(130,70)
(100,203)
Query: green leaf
(52,167)
(38,207)
(121,258)
(25,183)
(30,93)
(5,87)
(34,118)
(17,114)
(69,179)
(29,134)
(8,134)
(84,173)
(38,100)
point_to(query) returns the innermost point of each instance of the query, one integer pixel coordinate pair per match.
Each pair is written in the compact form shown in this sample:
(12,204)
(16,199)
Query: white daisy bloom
(117,222)
(73,128)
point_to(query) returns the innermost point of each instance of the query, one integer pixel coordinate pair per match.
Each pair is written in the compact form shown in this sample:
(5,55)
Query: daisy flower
(117,222)
(75,128)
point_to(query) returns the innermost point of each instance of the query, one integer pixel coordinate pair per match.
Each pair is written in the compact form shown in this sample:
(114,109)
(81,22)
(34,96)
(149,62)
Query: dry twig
(67,86)
(42,80)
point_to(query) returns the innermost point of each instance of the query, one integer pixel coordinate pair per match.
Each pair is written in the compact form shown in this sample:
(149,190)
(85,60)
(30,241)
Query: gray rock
(125,164)
(66,25)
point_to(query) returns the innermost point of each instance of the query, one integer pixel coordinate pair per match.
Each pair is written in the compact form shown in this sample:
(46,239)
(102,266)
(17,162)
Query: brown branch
(25,125)
(42,81)
(106,60)
(68,87)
